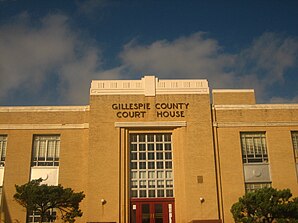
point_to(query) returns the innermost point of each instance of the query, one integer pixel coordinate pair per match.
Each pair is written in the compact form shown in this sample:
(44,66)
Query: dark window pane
(169,193)
(168,155)
(142,138)
(142,165)
(158,138)
(143,193)
(142,147)
(167,137)
(160,193)
(142,156)
(159,165)
(151,165)
(133,165)
(159,156)
(168,146)
(151,193)
(133,137)
(150,138)
(159,147)
(134,193)
(150,147)
(133,156)
(133,147)
(150,156)
(168,165)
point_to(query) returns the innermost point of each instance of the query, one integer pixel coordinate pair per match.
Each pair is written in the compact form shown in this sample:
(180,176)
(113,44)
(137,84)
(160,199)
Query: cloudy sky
(51,50)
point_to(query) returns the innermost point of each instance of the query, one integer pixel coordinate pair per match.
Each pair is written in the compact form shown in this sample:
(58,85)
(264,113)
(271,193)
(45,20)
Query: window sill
(44,167)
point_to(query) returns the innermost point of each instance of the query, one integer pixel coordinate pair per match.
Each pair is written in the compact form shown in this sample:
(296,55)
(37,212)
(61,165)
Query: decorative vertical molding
(150,86)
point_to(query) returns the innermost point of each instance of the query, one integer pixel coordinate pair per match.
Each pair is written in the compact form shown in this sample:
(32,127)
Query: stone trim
(43,126)
(232,90)
(148,86)
(150,124)
(258,106)
(44,108)
(253,124)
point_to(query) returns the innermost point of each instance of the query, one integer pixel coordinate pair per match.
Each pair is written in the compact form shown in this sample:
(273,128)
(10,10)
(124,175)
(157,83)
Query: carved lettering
(139,110)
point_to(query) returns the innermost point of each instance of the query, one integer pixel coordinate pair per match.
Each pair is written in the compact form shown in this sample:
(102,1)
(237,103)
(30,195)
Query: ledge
(44,126)
(150,124)
(253,124)
(44,108)
(254,107)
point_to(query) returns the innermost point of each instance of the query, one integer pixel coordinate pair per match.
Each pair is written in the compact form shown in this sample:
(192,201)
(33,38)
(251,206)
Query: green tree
(42,198)
(266,205)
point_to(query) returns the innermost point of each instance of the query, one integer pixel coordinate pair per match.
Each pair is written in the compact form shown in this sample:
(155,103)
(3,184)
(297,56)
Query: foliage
(266,205)
(42,198)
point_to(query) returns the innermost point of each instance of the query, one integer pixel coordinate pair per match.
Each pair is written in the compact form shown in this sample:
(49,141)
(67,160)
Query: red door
(152,210)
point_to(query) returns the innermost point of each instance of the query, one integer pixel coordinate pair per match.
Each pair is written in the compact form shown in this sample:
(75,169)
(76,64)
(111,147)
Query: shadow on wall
(4,214)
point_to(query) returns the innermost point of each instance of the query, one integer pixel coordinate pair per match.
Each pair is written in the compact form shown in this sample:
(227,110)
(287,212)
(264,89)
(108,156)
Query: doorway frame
(151,201)
(124,129)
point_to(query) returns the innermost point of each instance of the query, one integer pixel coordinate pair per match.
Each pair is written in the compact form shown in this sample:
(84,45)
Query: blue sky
(51,50)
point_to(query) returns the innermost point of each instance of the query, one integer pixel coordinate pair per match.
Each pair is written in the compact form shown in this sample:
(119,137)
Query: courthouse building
(151,151)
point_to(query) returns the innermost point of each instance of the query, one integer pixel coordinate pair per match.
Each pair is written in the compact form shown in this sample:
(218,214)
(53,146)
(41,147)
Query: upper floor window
(295,144)
(3,144)
(46,150)
(254,147)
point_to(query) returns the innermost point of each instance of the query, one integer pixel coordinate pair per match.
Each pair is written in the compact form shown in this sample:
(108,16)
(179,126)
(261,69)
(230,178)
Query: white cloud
(266,62)
(29,55)
(187,57)
(270,55)
(260,66)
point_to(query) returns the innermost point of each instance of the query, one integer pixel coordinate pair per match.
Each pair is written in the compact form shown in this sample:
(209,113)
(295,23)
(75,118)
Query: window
(255,159)
(46,150)
(254,147)
(3,144)
(252,187)
(151,173)
(35,217)
(295,145)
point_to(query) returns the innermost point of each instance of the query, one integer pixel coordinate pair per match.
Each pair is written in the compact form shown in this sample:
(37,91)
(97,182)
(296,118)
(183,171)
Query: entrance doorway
(151,178)
(152,211)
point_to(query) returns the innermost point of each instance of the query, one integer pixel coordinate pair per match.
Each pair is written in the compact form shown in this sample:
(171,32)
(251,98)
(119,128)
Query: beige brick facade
(208,170)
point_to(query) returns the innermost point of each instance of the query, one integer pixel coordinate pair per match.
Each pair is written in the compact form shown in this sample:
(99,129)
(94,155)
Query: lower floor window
(252,187)
(34,216)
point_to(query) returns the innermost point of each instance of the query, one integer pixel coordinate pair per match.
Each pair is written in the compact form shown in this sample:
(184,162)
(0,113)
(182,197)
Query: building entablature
(148,86)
